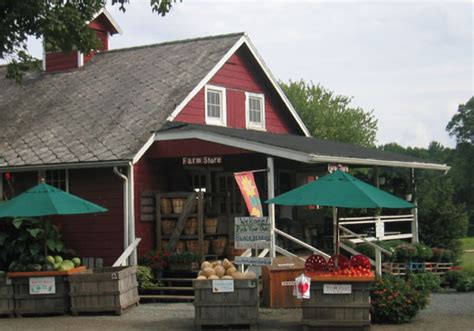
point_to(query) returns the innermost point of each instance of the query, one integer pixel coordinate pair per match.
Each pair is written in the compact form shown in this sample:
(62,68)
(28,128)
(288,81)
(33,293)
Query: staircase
(174,290)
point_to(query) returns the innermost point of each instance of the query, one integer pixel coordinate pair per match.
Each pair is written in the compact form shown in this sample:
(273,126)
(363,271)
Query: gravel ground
(447,311)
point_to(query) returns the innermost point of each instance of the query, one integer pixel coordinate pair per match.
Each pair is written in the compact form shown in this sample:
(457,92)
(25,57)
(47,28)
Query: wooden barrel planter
(218,245)
(180,246)
(166,206)
(338,304)
(167,227)
(190,228)
(27,303)
(231,309)
(210,225)
(111,289)
(178,205)
(6,297)
(192,246)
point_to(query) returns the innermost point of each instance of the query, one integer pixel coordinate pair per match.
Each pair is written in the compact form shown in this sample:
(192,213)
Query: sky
(412,62)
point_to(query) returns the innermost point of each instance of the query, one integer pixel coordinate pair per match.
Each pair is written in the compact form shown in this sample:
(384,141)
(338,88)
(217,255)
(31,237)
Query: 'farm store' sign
(202,160)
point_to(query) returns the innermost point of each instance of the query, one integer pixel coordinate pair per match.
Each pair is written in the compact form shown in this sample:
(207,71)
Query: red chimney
(104,26)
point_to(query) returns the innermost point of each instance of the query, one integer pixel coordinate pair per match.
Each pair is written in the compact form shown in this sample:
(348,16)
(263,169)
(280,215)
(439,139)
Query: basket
(166,206)
(164,245)
(210,225)
(180,246)
(192,246)
(191,226)
(167,227)
(207,245)
(218,245)
(178,204)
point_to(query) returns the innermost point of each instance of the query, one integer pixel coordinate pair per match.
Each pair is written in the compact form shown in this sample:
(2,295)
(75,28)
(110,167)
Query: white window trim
(222,121)
(42,174)
(254,125)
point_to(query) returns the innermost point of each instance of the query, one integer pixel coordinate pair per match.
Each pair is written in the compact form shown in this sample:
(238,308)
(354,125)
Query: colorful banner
(249,190)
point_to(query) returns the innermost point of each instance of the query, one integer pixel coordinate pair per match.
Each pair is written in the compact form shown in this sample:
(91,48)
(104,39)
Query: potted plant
(184,261)
(157,260)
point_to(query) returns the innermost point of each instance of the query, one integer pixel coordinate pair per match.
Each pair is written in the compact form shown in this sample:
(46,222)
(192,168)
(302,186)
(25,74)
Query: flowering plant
(155,259)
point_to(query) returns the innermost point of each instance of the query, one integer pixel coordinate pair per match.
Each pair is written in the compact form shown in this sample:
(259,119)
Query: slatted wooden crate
(430,266)
(416,266)
(111,289)
(6,297)
(396,269)
(341,312)
(442,268)
(40,304)
(238,308)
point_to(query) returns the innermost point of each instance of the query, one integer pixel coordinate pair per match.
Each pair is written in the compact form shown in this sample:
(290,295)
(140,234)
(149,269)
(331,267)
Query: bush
(465,284)
(425,281)
(453,277)
(405,252)
(395,300)
(145,278)
(423,252)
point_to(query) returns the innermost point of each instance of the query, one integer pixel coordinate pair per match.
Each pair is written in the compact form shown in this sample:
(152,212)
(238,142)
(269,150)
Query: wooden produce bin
(236,308)
(111,289)
(344,307)
(6,297)
(278,281)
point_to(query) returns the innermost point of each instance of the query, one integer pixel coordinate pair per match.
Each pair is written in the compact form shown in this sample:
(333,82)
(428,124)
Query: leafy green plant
(425,281)
(465,284)
(405,252)
(185,257)
(423,252)
(145,278)
(395,300)
(155,259)
(453,277)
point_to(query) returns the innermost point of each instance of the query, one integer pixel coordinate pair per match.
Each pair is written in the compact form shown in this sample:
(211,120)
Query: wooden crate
(236,308)
(442,268)
(40,304)
(6,297)
(327,311)
(111,289)
(396,269)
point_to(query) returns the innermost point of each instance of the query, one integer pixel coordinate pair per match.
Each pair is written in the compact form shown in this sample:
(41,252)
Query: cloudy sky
(412,62)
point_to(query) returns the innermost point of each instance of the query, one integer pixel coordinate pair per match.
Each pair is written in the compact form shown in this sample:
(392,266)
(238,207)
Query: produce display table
(338,303)
(236,308)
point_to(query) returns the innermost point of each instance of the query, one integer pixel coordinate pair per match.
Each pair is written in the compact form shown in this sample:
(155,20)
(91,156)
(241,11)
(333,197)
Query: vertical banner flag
(249,190)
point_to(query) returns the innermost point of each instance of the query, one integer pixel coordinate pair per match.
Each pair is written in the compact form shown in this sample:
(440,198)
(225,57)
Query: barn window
(56,178)
(255,111)
(215,105)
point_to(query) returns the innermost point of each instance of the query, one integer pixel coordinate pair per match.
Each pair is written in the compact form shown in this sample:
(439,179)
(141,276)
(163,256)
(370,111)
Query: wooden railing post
(378,261)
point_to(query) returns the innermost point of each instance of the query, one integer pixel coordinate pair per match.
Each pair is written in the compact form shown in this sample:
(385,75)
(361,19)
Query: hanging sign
(249,191)
(253,260)
(334,167)
(337,289)
(252,232)
(42,285)
(202,160)
(222,286)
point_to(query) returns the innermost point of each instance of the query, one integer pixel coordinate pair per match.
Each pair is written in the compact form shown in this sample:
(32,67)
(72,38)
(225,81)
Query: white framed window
(215,105)
(255,111)
(57,178)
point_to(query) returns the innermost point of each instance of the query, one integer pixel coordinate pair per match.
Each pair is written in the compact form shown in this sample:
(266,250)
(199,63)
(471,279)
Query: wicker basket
(180,246)
(191,226)
(166,206)
(218,245)
(207,245)
(192,246)
(178,204)
(167,227)
(210,225)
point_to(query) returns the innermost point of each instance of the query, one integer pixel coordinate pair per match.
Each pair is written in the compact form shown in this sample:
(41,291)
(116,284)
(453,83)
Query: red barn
(117,127)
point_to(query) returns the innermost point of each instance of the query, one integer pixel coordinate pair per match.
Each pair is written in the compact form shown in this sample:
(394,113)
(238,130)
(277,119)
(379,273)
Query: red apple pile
(338,265)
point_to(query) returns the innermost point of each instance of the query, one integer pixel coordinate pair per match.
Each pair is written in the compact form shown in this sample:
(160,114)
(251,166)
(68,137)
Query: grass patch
(467,243)
(467,260)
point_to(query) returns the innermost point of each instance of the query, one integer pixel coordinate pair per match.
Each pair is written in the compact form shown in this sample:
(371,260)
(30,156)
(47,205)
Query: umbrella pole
(45,238)
(335,230)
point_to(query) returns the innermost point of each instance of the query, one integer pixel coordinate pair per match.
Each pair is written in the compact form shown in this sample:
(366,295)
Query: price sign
(252,232)
(42,285)
(337,289)
(222,286)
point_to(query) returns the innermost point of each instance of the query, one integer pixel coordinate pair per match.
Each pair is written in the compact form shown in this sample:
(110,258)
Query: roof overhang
(110,19)
(78,165)
(288,153)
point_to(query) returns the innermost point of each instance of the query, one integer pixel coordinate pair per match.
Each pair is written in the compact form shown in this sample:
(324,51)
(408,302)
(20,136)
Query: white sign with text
(222,286)
(337,289)
(252,232)
(42,285)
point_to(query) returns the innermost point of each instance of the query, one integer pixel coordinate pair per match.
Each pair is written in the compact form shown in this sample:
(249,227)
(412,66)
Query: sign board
(222,286)
(333,167)
(42,285)
(252,232)
(202,160)
(337,288)
(253,260)
(288,283)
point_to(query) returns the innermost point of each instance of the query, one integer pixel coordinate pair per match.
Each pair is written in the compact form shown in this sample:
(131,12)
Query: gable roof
(294,147)
(105,110)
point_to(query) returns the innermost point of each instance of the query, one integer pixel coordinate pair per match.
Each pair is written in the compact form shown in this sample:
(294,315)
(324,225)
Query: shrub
(395,300)
(405,252)
(465,284)
(425,281)
(423,252)
(453,277)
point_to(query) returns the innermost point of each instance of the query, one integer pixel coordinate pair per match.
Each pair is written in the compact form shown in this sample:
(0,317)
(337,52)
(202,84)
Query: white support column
(414,225)
(378,262)
(271,207)
(131,213)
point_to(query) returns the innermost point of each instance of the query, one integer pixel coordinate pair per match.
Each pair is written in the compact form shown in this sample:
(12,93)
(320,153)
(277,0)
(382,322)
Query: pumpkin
(250,275)
(230,271)
(220,271)
(237,275)
(208,272)
(201,278)
(205,265)
(213,277)
(227,264)
(227,277)
(216,263)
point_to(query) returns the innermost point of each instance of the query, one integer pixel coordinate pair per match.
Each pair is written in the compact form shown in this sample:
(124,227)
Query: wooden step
(175,288)
(167,297)
(175,279)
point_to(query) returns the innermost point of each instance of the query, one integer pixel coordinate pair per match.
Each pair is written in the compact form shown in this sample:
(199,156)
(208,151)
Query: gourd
(230,271)
(220,271)
(213,277)
(201,278)
(208,272)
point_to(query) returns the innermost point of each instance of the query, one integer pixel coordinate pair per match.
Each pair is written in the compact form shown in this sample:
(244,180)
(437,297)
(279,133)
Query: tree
(330,116)
(462,124)
(63,22)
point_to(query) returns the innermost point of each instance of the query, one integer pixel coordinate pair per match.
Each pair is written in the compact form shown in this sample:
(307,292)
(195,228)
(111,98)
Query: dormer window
(215,105)
(255,111)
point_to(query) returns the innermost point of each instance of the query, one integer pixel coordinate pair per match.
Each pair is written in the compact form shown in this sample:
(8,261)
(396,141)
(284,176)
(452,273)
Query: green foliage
(465,284)
(185,257)
(145,278)
(396,301)
(425,281)
(155,259)
(444,255)
(405,252)
(424,253)
(21,64)
(331,116)
(389,245)
(453,277)
(462,123)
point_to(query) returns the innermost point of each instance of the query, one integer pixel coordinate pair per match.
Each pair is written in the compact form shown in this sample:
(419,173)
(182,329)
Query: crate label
(285,264)
(288,283)
(337,289)
(257,261)
(42,285)
(222,286)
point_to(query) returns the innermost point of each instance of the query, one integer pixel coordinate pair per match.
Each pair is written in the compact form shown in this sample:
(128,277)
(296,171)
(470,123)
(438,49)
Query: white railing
(379,222)
(122,260)
(301,243)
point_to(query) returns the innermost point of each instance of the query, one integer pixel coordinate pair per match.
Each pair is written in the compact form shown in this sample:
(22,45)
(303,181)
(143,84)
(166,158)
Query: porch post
(335,230)
(414,224)
(131,213)
(271,207)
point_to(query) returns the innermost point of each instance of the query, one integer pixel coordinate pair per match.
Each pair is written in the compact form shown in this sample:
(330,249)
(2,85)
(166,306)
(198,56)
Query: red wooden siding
(238,75)
(60,61)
